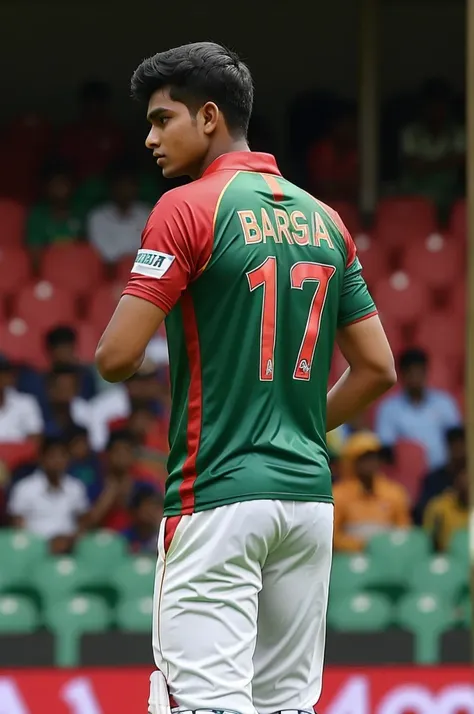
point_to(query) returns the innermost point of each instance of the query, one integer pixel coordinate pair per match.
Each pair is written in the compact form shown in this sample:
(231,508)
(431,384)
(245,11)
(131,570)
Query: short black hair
(411,357)
(119,436)
(196,73)
(52,442)
(61,335)
(456,433)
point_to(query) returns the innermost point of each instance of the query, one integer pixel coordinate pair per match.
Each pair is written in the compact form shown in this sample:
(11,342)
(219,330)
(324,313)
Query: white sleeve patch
(152,263)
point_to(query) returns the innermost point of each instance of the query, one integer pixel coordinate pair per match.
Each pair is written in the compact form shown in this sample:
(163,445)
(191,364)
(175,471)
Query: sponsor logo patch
(152,263)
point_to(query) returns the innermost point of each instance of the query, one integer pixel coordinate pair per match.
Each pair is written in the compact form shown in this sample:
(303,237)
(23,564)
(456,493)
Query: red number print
(265,275)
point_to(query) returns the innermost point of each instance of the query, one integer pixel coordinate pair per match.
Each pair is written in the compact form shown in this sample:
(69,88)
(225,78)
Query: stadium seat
(465,611)
(395,553)
(88,336)
(15,269)
(101,553)
(124,267)
(76,267)
(435,261)
(427,616)
(19,551)
(45,305)
(18,615)
(444,368)
(134,577)
(58,577)
(363,612)
(12,223)
(458,221)
(459,546)
(373,258)
(22,343)
(457,300)
(102,304)
(349,214)
(442,333)
(441,575)
(135,615)
(401,220)
(351,574)
(401,299)
(411,466)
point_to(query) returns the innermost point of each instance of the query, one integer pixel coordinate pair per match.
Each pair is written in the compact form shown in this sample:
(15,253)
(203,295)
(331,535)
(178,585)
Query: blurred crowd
(76,454)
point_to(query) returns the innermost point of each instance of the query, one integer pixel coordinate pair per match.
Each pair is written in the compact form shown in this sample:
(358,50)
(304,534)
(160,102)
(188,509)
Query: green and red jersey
(255,276)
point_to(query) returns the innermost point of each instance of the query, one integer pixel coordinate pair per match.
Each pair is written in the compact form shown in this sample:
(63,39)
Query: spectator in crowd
(118,402)
(111,510)
(54,220)
(50,502)
(333,162)
(84,463)
(21,423)
(146,512)
(433,148)
(64,407)
(91,143)
(418,412)
(368,502)
(437,481)
(449,512)
(60,347)
(115,228)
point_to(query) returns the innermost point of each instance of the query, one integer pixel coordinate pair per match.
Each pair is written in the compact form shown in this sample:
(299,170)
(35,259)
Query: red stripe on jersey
(193,438)
(274,186)
(171,524)
(364,317)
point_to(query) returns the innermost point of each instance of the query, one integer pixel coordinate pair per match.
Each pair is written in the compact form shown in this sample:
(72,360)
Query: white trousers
(240,606)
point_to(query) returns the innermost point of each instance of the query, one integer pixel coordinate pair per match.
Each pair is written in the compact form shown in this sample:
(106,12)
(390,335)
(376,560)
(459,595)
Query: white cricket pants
(240,604)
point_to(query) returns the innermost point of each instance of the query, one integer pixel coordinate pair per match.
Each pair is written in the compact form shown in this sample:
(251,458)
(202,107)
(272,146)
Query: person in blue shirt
(418,412)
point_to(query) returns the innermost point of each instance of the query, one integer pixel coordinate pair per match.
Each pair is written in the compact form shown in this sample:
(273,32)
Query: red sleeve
(176,245)
(348,240)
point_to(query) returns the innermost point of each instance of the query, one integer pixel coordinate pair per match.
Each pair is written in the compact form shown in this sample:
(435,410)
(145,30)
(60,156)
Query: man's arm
(122,346)
(371,370)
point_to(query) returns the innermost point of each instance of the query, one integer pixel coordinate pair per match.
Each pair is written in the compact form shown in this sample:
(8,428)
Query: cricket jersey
(255,276)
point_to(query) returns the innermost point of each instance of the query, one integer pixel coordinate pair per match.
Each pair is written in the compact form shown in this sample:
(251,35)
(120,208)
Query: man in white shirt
(49,502)
(115,228)
(20,414)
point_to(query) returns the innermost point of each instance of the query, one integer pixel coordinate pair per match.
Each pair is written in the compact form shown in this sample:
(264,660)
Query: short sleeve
(355,302)
(175,248)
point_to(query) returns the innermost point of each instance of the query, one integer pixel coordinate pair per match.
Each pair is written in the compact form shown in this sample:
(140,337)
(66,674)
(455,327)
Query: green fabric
(44,229)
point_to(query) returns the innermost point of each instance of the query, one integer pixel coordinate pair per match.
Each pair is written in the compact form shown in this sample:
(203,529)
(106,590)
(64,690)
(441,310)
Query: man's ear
(210,116)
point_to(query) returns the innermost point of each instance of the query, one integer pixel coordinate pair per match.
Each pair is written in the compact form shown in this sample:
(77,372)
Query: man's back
(252,337)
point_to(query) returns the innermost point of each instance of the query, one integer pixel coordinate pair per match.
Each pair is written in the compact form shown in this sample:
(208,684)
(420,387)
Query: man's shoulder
(439,396)
(73,485)
(33,482)
(390,488)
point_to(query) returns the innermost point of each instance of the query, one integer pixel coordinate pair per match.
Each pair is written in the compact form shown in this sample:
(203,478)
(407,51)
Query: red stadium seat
(44,305)
(457,302)
(401,220)
(349,214)
(15,269)
(102,304)
(458,221)
(411,466)
(373,258)
(436,260)
(22,343)
(12,223)
(124,268)
(87,339)
(441,334)
(74,266)
(400,299)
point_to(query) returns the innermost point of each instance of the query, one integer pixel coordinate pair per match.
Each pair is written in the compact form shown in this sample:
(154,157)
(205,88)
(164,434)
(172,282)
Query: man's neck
(416,396)
(219,148)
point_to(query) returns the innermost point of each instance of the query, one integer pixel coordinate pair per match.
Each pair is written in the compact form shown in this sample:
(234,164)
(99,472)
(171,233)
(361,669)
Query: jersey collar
(244,161)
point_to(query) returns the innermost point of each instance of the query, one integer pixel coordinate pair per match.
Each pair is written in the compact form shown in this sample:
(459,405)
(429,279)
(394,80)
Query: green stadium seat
(459,546)
(440,575)
(135,577)
(18,615)
(465,610)
(73,617)
(351,574)
(19,551)
(135,615)
(363,612)
(427,616)
(102,552)
(396,552)
(58,577)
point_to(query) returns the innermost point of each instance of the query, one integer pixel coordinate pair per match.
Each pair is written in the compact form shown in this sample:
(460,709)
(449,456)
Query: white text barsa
(280,226)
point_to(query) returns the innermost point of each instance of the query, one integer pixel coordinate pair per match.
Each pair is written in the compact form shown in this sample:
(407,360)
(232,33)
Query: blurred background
(364,105)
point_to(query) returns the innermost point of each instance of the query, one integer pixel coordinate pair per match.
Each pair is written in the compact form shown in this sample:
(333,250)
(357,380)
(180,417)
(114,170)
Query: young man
(254,277)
